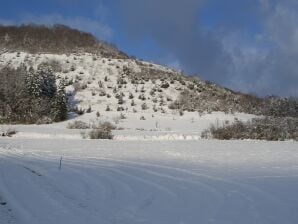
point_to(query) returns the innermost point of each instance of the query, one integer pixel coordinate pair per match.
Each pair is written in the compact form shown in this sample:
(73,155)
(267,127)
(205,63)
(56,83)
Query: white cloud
(266,62)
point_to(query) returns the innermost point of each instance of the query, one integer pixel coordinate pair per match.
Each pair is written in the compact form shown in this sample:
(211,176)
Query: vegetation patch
(31,96)
(268,128)
(101,130)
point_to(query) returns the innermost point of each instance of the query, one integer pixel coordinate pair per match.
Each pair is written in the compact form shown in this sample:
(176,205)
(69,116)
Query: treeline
(56,39)
(31,96)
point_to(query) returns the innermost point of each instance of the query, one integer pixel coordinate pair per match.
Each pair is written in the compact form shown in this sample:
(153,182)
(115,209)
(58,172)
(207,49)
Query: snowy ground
(156,127)
(158,182)
(155,171)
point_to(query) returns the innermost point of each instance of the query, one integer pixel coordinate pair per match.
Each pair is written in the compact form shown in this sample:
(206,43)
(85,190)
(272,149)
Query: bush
(78,125)
(144,106)
(8,133)
(102,131)
(165,85)
(78,111)
(268,128)
(79,86)
(89,109)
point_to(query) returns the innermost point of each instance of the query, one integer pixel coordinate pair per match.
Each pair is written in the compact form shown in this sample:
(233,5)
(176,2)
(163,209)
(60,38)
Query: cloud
(267,63)
(249,47)
(172,24)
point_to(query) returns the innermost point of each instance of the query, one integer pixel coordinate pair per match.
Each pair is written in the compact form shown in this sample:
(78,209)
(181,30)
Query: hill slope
(116,87)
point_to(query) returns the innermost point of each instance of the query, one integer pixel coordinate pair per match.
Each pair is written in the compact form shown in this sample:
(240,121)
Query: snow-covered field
(158,182)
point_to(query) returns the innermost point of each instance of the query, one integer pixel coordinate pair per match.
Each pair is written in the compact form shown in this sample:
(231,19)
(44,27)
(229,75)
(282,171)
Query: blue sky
(246,45)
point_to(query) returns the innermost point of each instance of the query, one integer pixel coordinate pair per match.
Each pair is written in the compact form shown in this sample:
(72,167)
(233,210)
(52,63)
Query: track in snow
(108,182)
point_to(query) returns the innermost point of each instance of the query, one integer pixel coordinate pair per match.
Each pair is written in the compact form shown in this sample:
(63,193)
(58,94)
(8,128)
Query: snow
(103,181)
(89,71)
(155,128)
(156,171)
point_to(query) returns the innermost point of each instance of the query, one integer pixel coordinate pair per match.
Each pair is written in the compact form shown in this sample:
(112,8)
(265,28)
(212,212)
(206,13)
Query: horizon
(247,47)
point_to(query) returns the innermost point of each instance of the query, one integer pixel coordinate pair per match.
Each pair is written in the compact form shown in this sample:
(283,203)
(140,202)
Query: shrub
(100,84)
(268,128)
(165,85)
(120,100)
(78,125)
(102,93)
(78,111)
(108,108)
(102,131)
(144,106)
(120,108)
(89,109)
(131,96)
(79,86)
(122,116)
(8,133)
(132,103)
(142,97)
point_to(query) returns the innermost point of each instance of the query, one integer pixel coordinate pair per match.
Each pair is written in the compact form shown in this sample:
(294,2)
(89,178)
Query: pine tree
(33,83)
(58,107)
(48,85)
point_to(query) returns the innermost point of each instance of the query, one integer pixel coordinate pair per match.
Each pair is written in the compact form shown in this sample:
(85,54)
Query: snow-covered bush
(102,131)
(268,128)
(132,103)
(78,125)
(144,106)
(79,111)
(78,86)
(165,85)
(89,109)
(120,100)
(8,133)
(142,97)
(108,108)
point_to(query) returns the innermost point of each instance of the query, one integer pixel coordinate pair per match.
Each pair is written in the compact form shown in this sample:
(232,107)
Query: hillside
(110,85)
(56,39)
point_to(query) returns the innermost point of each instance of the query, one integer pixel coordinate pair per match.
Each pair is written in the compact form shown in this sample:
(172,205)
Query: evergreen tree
(33,83)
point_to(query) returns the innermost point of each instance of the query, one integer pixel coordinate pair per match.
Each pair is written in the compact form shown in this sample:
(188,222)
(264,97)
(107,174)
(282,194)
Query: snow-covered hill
(108,87)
